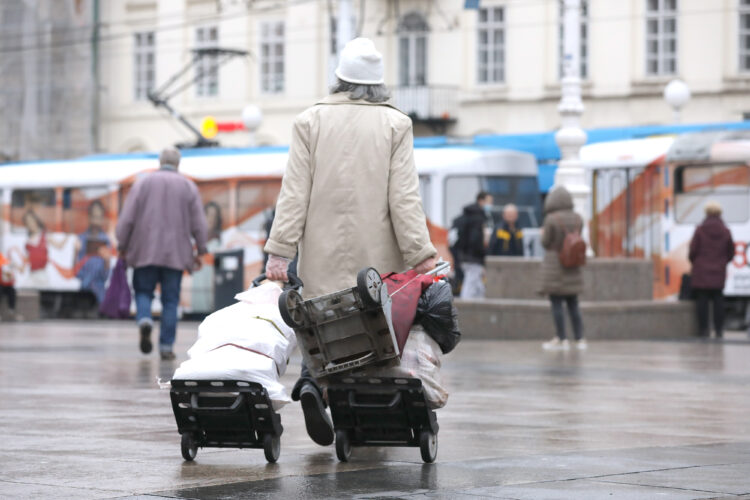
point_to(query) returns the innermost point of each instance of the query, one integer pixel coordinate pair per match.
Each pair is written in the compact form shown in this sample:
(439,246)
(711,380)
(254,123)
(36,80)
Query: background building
(456,69)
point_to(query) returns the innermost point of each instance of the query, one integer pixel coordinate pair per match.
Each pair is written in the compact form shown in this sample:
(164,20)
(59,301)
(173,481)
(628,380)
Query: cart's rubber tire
(290,307)
(343,445)
(271,447)
(428,446)
(369,283)
(188,446)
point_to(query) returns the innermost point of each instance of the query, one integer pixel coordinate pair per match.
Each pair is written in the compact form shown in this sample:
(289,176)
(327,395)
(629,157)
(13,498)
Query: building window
(412,50)
(272,57)
(661,37)
(144,65)
(584,38)
(491,45)
(208,65)
(744,51)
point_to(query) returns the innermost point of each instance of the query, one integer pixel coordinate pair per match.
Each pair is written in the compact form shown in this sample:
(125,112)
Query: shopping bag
(116,303)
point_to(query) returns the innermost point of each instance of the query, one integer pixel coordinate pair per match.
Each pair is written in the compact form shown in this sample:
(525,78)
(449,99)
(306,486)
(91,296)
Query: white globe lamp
(252,117)
(677,95)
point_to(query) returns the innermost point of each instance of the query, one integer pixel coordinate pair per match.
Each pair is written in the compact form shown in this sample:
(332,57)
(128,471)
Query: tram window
(255,201)
(215,196)
(86,208)
(424,193)
(39,203)
(728,185)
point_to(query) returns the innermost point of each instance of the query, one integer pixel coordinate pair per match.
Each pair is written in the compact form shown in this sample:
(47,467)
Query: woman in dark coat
(563,285)
(711,249)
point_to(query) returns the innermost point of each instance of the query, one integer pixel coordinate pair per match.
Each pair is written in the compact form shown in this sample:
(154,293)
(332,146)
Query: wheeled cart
(381,411)
(225,414)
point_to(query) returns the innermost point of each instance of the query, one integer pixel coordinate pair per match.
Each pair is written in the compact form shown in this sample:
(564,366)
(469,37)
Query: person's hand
(197,263)
(276,268)
(425,266)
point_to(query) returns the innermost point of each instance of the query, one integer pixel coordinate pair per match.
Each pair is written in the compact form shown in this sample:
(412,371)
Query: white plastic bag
(234,363)
(420,359)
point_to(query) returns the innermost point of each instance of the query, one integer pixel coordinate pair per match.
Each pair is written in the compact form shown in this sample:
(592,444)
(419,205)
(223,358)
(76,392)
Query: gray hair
(169,157)
(370,93)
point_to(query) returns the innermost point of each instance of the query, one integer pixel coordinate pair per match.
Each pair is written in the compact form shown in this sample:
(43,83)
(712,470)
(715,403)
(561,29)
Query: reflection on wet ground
(82,417)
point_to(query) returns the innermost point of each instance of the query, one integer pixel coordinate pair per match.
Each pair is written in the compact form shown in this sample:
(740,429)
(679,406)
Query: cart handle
(348,365)
(194,404)
(394,402)
(294,281)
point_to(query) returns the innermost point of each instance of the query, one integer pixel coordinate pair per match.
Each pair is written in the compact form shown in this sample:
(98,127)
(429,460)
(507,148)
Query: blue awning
(546,177)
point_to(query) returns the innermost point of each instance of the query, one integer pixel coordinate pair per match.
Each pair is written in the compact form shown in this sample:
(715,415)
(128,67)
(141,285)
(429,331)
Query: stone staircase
(617,303)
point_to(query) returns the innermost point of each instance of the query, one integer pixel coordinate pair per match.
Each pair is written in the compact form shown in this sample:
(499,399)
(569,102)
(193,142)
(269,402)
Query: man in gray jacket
(160,219)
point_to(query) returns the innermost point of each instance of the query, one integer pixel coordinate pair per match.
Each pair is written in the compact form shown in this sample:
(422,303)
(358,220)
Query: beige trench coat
(350,195)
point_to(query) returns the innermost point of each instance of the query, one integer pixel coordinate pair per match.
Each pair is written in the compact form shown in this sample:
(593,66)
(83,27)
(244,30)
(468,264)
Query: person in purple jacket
(160,218)
(711,249)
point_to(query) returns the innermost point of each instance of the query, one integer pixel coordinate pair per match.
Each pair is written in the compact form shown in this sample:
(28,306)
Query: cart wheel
(428,446)
(189,447)
(290,307)
(368,286)
(271,447)
(343,446)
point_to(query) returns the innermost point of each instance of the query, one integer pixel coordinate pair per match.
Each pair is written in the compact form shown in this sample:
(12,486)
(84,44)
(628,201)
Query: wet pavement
(81,417)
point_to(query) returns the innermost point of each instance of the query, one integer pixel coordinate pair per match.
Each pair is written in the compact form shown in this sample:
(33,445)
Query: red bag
(405,290)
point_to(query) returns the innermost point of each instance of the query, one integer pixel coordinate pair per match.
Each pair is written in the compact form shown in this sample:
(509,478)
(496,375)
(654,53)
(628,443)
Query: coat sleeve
(198,223)
(730,248)
(294,198)
(126,219)
(404,203)
(694,245)
(548,233)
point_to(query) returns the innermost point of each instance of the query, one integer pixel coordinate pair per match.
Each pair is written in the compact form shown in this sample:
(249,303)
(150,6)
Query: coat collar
(343,98)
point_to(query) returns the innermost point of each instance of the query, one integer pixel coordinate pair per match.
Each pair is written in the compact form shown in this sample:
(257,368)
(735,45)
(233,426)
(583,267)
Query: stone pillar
(571,136)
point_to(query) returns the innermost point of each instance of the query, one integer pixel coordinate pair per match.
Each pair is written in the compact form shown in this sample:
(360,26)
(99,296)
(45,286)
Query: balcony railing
(429,104)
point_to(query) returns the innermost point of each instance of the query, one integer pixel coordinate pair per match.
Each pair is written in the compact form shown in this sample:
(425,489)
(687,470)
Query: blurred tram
(55,216)
(648,195)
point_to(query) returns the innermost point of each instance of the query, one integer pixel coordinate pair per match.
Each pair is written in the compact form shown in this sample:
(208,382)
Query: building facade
(456,69)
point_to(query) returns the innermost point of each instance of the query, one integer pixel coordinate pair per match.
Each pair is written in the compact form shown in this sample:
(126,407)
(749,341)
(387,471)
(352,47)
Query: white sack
(420,359)
(232,363)
(253,323)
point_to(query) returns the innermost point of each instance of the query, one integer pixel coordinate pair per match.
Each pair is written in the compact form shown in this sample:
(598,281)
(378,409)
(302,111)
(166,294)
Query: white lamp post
(252,117)
(677,94)
(571,136)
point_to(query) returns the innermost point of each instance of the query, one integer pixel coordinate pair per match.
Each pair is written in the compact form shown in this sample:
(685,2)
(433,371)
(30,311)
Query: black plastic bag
(438,316)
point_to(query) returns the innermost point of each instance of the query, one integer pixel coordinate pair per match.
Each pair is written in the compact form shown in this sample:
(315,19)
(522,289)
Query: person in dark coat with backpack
(711,249)
(561,284)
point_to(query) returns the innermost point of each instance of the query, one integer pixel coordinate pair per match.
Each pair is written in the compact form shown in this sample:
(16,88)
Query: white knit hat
(361,63)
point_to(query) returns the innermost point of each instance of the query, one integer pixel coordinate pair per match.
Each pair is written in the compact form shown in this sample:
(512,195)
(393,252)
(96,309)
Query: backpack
(573,251)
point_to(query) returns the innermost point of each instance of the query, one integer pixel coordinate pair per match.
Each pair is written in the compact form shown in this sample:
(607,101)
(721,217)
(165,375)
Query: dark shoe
(317,421)
(167,356)
(145,329)
(719,335)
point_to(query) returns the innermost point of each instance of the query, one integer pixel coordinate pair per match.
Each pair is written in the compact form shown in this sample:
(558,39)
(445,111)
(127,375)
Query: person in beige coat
(349,198)
(562,285)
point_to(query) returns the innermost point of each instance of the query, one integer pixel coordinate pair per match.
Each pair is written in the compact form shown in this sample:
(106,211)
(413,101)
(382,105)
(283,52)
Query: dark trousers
(144,284)
(9,292)
(702,299)
(558,314)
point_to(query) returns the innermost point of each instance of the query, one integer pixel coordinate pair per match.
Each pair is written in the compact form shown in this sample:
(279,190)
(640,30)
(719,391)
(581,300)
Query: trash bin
(229,277)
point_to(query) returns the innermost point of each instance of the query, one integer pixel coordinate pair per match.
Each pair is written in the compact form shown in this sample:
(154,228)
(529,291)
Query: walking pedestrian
(561,283)
(161,214)
(349,198)
(472,245)
(711,249)
(507,237)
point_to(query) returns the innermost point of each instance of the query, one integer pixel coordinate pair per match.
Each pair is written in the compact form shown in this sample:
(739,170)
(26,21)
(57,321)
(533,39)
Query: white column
(344,31)
(571,136)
